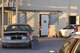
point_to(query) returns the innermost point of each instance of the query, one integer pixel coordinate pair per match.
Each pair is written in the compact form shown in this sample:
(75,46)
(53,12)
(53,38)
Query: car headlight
(23,37)
(6,37)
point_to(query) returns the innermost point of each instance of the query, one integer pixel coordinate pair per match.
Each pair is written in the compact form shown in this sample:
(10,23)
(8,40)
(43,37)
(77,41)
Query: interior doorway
(72,19)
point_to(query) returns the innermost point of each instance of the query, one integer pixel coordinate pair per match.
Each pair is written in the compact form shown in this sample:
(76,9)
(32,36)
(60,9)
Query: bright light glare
(51,51)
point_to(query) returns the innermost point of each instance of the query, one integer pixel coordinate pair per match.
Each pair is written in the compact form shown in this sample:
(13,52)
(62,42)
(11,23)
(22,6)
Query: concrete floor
(45,45)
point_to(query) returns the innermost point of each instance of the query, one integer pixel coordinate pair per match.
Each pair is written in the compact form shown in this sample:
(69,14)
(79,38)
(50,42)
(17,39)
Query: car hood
(15,32)
(66,32)
(63,30)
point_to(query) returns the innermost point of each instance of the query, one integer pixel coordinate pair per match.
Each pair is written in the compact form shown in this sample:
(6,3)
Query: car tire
(3,46)
(34,44)
(57,35)
(60,34)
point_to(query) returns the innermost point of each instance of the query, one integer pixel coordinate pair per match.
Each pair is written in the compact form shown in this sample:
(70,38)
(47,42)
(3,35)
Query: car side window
(71,27)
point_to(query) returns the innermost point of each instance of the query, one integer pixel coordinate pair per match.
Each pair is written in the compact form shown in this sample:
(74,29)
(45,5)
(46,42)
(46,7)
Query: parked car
(72,45)
(74,33)
(19,35)
(65,32)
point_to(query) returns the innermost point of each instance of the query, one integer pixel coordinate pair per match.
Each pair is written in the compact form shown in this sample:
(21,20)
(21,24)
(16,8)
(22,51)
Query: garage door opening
(72,19)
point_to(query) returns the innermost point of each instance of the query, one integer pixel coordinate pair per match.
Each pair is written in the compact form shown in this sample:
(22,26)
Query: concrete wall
(45,4)
(68,7)
(32,20)
(0,22)
(63,5)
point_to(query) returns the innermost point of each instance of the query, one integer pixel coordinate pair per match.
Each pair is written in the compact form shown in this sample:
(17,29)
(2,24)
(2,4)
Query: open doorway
(72,19)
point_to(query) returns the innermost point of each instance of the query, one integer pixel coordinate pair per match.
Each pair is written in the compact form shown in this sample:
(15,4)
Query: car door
(68,30)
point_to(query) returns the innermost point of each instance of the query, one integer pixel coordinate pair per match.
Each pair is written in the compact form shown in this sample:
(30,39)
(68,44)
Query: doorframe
(40,25)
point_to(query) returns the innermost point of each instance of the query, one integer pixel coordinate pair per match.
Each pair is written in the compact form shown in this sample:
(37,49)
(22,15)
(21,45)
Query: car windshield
(18,28)
(69,27)
(67,47)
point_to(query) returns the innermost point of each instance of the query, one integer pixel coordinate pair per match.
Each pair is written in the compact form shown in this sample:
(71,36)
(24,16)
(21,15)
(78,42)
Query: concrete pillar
(36,22)
(0,23)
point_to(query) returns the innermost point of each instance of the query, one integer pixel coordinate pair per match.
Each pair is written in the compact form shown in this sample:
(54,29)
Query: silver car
(17,35)
(65,32)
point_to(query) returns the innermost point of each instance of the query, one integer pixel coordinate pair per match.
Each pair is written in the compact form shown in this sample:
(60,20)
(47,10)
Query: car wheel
(60,34)
(3,46)
(57,35)
(34,44)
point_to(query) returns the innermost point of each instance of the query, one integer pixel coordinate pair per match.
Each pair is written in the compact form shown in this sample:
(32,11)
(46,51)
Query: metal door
(44,24)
